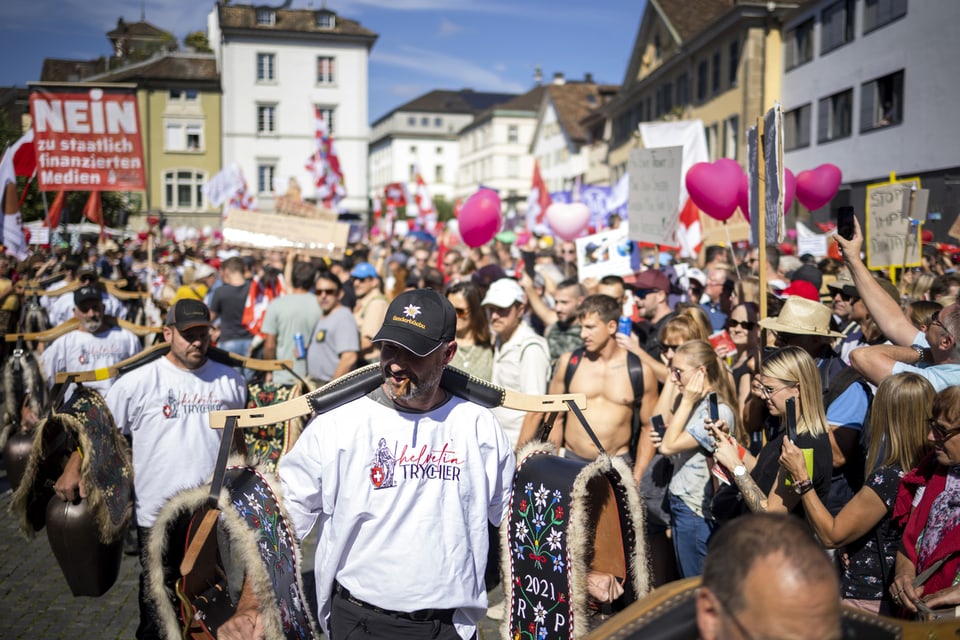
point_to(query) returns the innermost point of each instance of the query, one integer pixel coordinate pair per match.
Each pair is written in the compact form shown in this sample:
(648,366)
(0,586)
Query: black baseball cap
(86,294)
(186,314)
(420,321)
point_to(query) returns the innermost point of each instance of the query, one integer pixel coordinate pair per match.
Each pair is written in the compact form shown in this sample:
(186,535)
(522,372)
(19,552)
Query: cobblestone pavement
(36,603)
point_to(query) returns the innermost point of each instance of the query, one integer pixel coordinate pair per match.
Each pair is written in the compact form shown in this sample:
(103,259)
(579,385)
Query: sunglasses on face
(462,312)
(935,320)
(668,347)
(746,324)
(327,292)
(941,433)
(643,293)
(847,298)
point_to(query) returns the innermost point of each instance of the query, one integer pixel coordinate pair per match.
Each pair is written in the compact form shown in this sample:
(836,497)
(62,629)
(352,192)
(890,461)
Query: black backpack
(635,371)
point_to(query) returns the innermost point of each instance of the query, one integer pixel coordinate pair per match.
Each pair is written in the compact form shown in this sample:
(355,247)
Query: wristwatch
(739,471)
(920,353)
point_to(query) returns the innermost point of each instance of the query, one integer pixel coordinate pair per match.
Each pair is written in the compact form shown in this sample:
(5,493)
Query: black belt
(420,615)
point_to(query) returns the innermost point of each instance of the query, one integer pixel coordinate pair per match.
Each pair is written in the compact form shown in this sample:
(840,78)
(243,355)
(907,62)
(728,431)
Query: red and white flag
(20,159)
(395,195)
(243,198)
(537,202)
(425,209)
(324,165)
(377,209)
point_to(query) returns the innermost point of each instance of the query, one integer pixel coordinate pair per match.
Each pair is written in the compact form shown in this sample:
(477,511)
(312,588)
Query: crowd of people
(838,406)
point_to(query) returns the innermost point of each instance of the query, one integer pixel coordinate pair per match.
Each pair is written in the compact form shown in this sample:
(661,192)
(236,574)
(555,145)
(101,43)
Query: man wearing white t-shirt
(164,407)
(401,484)
(94,344)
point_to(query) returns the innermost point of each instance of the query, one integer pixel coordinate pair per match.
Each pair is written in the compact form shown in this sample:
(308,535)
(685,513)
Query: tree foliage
(197,40)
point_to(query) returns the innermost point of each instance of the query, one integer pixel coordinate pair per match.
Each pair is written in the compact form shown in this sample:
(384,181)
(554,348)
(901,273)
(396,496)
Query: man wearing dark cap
(651,289)
(163,406)
(94,344)
(401,483)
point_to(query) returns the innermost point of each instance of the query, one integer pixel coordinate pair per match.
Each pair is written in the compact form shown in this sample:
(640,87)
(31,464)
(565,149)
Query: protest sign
(653,202)
(888,231)
(87,137)
(604,254)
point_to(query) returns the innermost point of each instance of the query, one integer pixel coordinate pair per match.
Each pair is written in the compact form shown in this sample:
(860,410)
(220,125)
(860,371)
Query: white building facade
(276,67)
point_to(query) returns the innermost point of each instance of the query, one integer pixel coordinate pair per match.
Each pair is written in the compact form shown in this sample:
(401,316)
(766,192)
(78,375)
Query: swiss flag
(395,195)
(689,232)
(20,159)
(537,201)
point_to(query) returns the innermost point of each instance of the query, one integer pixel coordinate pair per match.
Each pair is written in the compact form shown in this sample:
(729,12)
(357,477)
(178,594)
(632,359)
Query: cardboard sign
(604,254)
(271,230)
(891,239)
(87,138)
(653,202)
(955,229)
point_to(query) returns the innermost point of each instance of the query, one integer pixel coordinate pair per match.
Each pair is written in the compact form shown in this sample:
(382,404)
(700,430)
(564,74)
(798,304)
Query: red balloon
(816,187)
(926,235)
(714,187)
(480,218)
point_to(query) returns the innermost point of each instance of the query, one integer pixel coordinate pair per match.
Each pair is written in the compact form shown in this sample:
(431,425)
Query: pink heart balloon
(714,187)
(480,218)
(789,189)
(568,220)
(816,187)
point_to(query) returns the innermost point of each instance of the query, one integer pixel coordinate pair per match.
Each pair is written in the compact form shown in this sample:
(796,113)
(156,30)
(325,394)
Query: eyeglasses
(677,372)
(847,298)
(935,319)
(746,324)
(326,292)
(769,392)
(941,433)
(461,312)
(643,293)
(669,347)
(498,311)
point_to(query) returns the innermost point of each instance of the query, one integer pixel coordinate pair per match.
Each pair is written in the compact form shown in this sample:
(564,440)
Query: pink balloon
(789,189)
(568,220)
(743,196)
(816,187)
(714,187)
(480,218)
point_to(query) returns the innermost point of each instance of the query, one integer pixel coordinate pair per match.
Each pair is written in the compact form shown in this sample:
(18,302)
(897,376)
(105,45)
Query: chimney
(558,78)
(538,75)
(588,77)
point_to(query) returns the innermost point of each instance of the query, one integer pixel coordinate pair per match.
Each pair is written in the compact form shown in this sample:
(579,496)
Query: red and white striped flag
(537,201)
(324,165)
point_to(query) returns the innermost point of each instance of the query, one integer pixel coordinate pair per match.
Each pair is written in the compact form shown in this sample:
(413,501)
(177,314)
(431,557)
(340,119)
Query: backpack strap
(572,365)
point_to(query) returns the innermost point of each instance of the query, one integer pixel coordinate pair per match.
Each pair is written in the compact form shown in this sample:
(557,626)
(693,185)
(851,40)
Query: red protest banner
(87,138)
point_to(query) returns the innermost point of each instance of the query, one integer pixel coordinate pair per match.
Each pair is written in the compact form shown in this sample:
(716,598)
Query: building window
(180,136)
(326,20)
(800,44)
(266,69)
(182,190)
(424,121)
(266,17)
(512,167)
(412,173)
(266,118)
(327,113)
(881,102)
(713,142)
(438,122)
(325,70)
(513,133)
(683,89)
(413,148)
(836,25)
(715,79)
(835,116)
(411,121)
(438,174)
(439,151)
(877,13)
(667,97)
(702,81)
(734,63)
(796,128)
(657,49)
(188,95)
(731,129)
(265,175)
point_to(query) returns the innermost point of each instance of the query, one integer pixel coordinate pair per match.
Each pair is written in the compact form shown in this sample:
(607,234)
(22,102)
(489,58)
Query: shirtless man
(603,377)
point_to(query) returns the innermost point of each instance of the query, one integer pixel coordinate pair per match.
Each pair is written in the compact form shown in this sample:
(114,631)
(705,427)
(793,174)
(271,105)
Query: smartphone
(529,262)
(714,407)
(658,425)
(845,222)
(792,420)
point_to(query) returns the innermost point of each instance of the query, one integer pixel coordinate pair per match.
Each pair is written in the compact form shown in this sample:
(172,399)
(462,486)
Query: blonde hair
(700,353)
(899,422)
(684,328)
(793,364)
(698,315)
(748,289)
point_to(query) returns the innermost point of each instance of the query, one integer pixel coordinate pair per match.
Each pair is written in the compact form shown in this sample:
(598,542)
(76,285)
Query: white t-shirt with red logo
(82,351)
(166,411)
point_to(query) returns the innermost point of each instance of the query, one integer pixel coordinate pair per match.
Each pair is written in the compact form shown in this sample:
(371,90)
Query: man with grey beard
(96,343)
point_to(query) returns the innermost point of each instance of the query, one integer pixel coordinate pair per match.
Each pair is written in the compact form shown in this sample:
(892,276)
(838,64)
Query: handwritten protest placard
(889,231)
(654,198)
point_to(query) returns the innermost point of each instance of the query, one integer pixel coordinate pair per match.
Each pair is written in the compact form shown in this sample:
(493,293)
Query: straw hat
(802,316)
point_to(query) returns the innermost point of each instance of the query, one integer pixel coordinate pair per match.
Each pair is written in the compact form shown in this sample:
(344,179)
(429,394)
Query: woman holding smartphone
(899,422)
(695,372)
(788,374)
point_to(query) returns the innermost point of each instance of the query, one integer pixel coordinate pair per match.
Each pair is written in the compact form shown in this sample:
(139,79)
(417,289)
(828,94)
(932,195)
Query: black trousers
(349,621)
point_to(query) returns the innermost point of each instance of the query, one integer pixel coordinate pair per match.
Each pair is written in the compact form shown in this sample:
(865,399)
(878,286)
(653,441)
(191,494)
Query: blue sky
(486,45)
